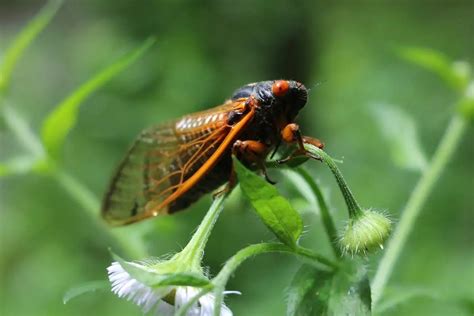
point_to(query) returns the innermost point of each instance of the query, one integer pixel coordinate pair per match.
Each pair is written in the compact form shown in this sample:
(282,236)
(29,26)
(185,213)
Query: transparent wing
(160,161)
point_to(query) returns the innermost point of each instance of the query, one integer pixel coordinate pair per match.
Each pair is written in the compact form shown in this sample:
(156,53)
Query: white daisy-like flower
(162,301)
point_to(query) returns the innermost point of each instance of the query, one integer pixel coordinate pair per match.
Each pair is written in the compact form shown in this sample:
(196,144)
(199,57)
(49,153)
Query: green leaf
(63,118)
(23,40)
(455,75)
(182,279)
(274,210)
(318,292)
(401,134)
(84,288)
(350,291)
(147,276)
(308,293)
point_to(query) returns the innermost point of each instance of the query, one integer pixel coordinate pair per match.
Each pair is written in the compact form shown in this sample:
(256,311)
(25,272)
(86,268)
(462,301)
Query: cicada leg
(291,134)
(249,151)
(254,152)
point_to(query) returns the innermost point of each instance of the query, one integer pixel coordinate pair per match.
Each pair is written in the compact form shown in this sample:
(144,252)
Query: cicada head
(281,96)
(292,95)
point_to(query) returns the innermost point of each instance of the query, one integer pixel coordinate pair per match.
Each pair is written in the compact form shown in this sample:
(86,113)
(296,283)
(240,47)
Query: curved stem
(441,157)
(23,132)
(352,204)
(326,218)
(236,260)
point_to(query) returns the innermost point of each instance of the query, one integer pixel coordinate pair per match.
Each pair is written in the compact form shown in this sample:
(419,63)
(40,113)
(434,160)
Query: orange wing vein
(166,161)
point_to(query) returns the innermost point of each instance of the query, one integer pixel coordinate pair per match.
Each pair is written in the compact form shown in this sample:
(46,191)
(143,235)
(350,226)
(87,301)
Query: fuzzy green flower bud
(365,232)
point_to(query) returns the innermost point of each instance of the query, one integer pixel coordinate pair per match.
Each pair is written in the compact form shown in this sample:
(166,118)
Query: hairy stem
(441,157)
(352,204)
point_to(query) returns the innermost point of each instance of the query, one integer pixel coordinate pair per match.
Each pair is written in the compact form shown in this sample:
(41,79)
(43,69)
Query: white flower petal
(184,294)
(207,304)
(163,309)
(225,311)
(150,299)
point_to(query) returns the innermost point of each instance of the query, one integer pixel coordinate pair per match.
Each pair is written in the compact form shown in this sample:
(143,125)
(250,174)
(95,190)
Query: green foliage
(466,104)
(393,297)
(326,216)
(27,139)
(350,291)
(62,119)
(401,135)
(456,75)
(343,292)
(16,165)
(274,210)
(308,293)
(35,215)
(23,40)
(84,288)
(23,132)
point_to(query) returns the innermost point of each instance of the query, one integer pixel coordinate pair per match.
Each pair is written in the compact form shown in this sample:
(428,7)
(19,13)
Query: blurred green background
(343,51)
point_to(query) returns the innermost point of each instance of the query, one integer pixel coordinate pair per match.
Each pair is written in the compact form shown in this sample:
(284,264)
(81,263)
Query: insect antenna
(315,85)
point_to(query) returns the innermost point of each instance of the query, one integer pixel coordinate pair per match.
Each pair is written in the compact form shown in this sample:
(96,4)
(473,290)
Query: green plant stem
(71,185)
(352,204)
(91,205)
(236,260)
(326,217)
(194,250)
(441,157)
(312,257)
(23,133)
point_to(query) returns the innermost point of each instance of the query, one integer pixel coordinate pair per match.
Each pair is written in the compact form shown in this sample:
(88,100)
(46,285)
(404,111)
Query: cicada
(172,165)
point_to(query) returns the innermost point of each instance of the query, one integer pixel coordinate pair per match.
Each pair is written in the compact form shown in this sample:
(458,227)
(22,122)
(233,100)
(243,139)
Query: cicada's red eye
(280,88)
